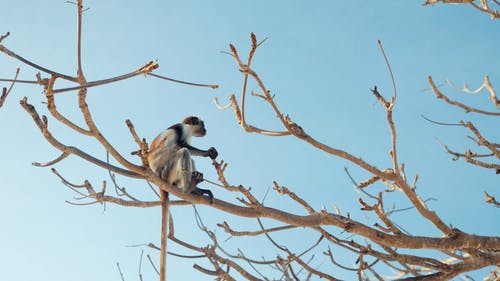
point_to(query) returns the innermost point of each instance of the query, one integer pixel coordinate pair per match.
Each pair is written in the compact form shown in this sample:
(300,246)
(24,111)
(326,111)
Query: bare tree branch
(483,5)
(5,91)
(8,52)
(43,126)
(456,103)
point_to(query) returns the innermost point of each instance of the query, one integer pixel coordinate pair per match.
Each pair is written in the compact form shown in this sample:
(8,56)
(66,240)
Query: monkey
(170,156)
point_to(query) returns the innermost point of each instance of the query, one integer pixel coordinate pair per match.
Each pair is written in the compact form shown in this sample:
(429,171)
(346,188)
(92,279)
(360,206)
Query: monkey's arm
(211,152)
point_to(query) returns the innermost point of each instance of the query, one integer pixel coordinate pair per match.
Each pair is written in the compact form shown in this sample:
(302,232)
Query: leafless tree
(384,250)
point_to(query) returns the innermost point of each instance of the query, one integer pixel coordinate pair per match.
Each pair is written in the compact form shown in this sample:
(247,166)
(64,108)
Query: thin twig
(213,86)
(152,264)
(4,36)
(440,123)
(50,163)
(5,91)
(120,271)
(465,107)
(140,265)
(10,53)
(148,67)
(388,67)
(19,81)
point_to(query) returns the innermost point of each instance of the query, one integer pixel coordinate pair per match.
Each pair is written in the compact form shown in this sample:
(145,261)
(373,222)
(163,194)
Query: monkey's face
(197,126)
(199,130)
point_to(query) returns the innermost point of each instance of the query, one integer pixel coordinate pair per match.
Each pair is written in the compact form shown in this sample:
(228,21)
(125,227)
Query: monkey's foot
(201,192)
(196,177)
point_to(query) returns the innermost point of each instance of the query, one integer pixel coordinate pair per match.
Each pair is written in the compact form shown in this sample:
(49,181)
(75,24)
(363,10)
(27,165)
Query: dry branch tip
(4,36)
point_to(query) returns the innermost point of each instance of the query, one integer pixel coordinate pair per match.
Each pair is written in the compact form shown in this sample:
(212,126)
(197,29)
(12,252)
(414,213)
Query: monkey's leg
(195,180)
(196,177)
(185,169)
(165,171)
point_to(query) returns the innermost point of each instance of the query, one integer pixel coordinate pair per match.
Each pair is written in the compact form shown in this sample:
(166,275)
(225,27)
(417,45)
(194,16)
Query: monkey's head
(197,126)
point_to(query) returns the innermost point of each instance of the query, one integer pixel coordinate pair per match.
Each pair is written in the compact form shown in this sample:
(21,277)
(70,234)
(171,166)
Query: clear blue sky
(321,59)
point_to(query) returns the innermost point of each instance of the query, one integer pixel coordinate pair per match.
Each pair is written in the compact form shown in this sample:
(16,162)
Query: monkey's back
(161,151)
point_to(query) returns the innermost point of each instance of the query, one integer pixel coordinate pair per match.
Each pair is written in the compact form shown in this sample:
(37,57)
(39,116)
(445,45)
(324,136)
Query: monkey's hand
(212,153)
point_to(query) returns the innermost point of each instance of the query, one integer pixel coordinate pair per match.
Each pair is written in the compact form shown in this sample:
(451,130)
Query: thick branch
(461,267)
(459,241)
